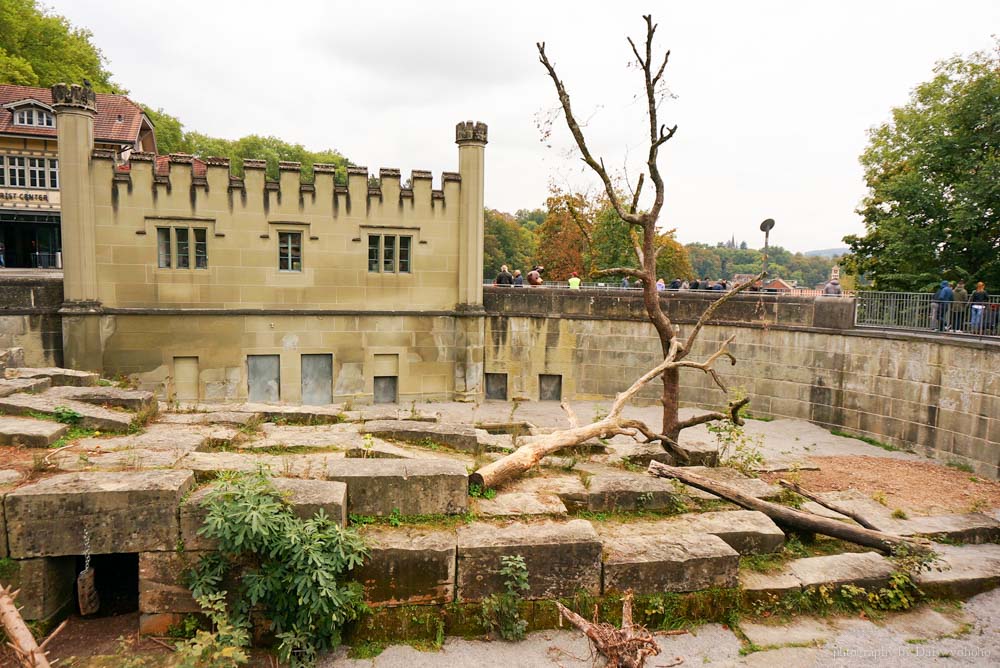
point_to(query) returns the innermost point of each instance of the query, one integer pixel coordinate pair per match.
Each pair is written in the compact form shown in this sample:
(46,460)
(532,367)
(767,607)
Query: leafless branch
(628,271)
(733,415)
(638,191)
(710,311)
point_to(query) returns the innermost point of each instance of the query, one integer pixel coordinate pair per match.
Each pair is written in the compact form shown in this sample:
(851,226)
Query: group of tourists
(505,277)
(954,309)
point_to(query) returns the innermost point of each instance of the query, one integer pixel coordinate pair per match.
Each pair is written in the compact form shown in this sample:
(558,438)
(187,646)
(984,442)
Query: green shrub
(291,568)
(502,612)
(223,646)
(66,415)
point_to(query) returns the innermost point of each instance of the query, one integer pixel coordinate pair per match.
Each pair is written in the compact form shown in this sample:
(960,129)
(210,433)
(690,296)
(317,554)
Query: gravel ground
(907,639)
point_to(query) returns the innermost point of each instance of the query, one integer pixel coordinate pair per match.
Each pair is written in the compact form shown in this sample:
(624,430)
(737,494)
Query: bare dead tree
(644,222)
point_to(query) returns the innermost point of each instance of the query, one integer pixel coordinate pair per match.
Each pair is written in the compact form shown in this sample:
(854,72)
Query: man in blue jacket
(942,299)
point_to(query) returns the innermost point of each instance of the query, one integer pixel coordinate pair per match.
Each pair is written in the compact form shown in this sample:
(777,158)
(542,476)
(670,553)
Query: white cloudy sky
(773,98)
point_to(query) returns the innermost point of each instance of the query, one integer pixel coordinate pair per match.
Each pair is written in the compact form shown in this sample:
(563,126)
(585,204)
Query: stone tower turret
(471,140)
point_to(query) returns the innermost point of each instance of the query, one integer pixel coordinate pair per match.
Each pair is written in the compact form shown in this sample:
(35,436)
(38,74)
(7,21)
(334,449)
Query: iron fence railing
(920,311)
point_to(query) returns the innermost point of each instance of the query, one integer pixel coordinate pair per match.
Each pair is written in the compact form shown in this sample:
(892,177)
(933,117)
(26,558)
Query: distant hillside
(827,252)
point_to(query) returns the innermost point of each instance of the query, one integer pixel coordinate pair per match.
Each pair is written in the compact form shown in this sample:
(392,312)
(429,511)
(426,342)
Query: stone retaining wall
(29,318)
(798,358)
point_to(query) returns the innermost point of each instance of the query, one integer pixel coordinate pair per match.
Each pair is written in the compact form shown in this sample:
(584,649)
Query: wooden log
(29,654)
(832,505)
(790,517)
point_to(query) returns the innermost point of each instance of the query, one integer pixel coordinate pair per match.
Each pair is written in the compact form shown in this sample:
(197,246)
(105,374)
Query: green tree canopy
(507,241)
(38,48)
(933,176)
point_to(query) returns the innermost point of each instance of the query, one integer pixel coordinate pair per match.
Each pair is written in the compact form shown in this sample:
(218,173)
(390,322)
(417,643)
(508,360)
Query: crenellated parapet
(468,131)
(74,96)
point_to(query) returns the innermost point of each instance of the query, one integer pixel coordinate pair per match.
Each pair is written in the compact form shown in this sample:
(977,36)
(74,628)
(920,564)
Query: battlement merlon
(74,96)
(470,132)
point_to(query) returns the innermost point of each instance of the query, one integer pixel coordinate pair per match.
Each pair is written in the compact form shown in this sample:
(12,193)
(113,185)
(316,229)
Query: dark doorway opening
(116,577)
(30,240)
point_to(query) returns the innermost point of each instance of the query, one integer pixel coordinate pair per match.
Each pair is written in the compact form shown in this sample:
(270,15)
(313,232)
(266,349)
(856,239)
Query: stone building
(29,166)
(206,286)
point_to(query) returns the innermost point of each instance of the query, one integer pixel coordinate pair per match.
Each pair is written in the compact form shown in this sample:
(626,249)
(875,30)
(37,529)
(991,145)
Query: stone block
(162,577)
(769,584)
(861,569)
(408,566)
(961,571)
(964,528)
(699,452)
(93,417)
(746,531)
(122,512)
(674,563)
(409,486)
(56,376)
(4,553)
(214,417)
(750,486)
(132,400)
(29,432)
(46,585)
(562,558)
(15,385)
(510,504)
(306,498)
(613,490)
(455,436)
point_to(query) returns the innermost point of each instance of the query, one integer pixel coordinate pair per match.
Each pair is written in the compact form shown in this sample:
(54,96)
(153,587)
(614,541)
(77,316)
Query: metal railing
(615,285)
(919,311)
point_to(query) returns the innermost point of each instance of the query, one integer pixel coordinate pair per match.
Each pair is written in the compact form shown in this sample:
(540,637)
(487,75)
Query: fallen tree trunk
(790,517)
(20,638)
(835,507)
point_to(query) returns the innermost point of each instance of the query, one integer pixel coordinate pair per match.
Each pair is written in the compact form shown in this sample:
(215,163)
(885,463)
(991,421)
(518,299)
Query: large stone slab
(699,452)
(746,531)
(800,631)
(15,385)
(750,486)
(93,417)
(455,436)
(779,583)
(510,504)
(962,571)
(55,375)
(305,497)
(327,436)
(408,566)
(162,581)
(122,512)
(29,432)
(307,415)
(562,558)
(409,486)
(673,563)
(133,400)
(46,585)
(214,417)
(609,490)
(862,569)
(964,528)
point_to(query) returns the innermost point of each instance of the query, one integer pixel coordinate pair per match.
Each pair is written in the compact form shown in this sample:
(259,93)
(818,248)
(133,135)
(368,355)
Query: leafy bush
(291,568)
(502,612)
(66,415)
(223,646)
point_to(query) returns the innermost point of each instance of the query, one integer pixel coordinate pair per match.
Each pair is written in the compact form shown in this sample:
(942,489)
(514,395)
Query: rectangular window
(404,255)
(183,250)
(36,172)
(16,172)
(388,255)
(163,247)
(3,171)
(26,117)
(53,174)
(374,250)
(200,249)
(290,251)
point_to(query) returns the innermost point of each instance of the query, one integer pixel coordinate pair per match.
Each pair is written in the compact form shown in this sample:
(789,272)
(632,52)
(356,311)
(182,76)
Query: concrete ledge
(29,432)
(563,558)
(93,417)
(676,563)
(122,512)
(455,436)
(861,569)
(408,566)
(408,486)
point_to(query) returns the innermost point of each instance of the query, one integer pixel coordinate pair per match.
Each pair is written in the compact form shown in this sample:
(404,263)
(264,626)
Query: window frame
(379,244)
(294,239)
(13,168)
(160,255)
(32,117)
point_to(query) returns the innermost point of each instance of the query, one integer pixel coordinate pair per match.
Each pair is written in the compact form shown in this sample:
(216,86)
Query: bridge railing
(919,311)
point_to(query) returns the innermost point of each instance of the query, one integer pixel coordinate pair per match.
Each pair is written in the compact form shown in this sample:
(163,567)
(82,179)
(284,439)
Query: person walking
(574,281)
(518,279)
(943,298)
(959,308)
(504,277)
(833,287)
(660,285)
(978,303)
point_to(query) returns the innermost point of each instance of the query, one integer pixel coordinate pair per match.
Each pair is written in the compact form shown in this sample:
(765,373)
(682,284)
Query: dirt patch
(922,488)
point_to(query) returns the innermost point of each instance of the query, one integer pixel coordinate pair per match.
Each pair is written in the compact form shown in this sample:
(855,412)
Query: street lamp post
(766,227)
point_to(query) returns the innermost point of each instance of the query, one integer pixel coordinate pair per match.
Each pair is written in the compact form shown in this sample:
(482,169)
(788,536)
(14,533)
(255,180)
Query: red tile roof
(107,126)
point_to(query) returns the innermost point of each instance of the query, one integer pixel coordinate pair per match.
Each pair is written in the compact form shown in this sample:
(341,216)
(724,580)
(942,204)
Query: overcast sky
(773,99)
